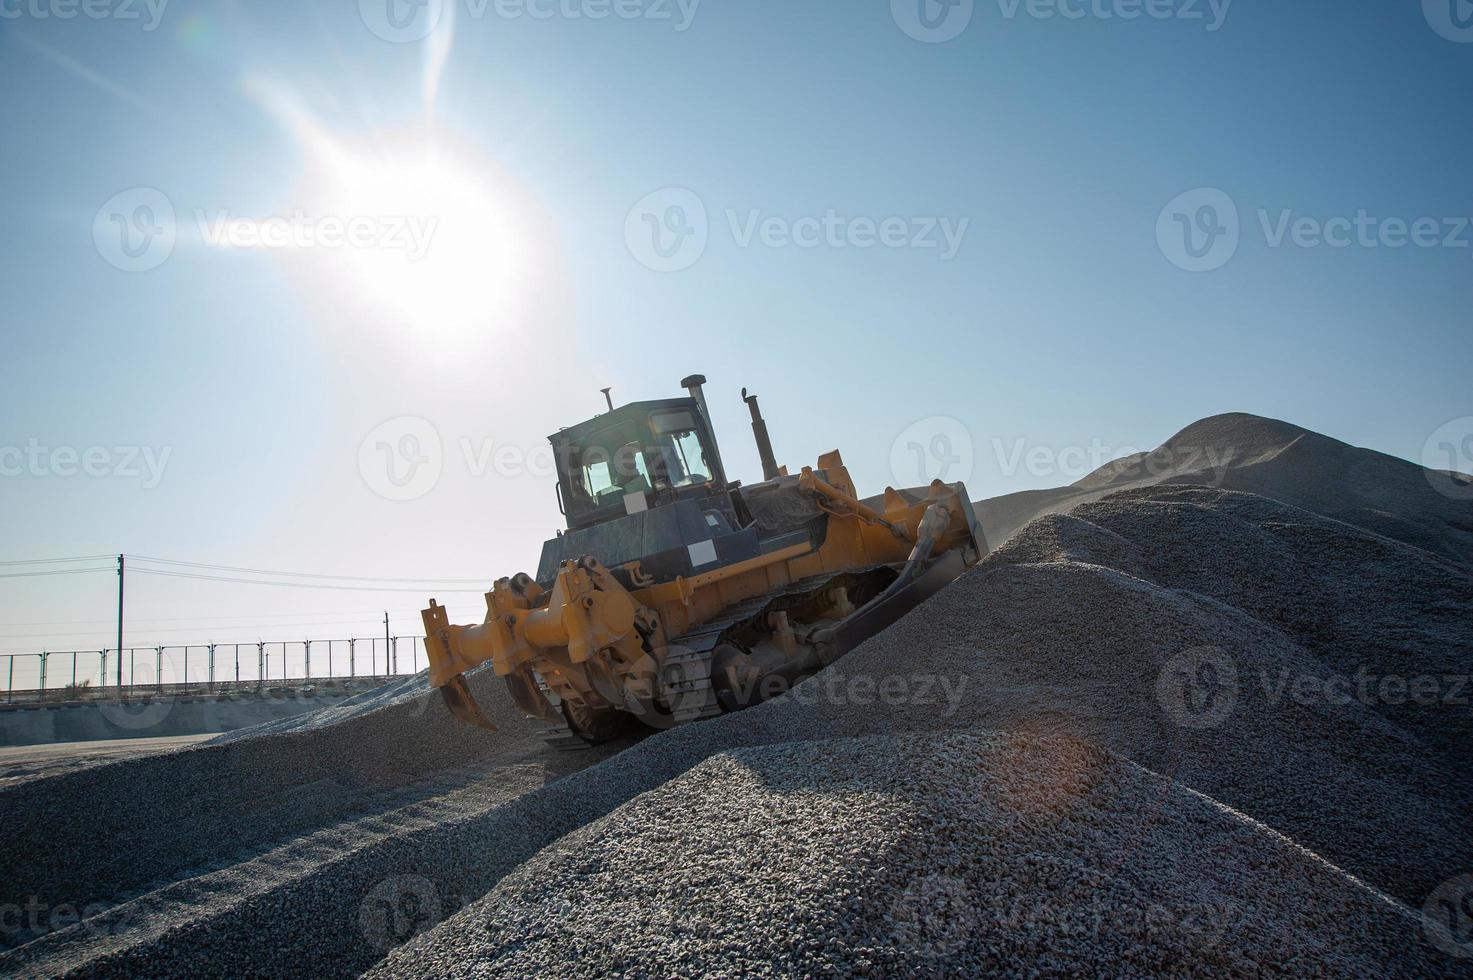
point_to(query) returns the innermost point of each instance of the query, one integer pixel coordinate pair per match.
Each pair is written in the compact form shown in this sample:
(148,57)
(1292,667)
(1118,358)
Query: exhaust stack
(764,443)
(693,384)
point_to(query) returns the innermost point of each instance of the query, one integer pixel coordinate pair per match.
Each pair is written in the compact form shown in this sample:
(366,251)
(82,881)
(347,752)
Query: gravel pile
(1085,626)
(934,855)
(1389,496)
(102,834)
(1194,632)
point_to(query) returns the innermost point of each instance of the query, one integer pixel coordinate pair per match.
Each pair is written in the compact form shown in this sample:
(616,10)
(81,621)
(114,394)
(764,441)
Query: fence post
(260,665)
(210,683)
(307,645)
(394,646)
(10,683)
(237,665)
(158,669)
(44,655)
(351,644)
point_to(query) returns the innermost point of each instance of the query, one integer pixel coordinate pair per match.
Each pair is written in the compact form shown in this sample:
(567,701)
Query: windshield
(678,442)
(605,469)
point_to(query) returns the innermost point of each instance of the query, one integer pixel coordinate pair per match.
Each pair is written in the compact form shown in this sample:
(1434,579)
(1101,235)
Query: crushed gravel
(1175,627)
(938,855)
(99,835)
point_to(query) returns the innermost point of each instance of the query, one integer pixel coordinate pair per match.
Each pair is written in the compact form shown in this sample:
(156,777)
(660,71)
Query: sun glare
(426,236)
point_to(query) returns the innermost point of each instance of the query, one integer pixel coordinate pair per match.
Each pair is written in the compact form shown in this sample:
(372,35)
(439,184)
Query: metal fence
(77,672)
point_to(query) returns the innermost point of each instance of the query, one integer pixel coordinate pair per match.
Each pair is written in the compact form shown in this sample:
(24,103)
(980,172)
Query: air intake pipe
(693,385)
(764,443)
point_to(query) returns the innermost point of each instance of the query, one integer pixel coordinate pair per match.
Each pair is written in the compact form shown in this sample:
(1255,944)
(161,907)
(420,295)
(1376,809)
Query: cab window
(678,442)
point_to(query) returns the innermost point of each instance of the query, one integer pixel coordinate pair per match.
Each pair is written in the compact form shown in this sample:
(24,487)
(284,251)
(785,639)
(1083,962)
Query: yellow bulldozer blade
(463,705)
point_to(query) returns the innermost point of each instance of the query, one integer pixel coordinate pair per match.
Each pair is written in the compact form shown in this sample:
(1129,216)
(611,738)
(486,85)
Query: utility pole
(120,624)
(386,643)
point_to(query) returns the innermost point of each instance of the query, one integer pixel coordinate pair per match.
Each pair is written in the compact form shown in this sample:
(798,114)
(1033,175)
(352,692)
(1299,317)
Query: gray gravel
(931,855)
(1389,496)
(102,834)
(1082,627)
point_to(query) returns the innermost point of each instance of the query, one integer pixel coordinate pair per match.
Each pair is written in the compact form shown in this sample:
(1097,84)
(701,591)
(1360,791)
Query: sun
(425,235)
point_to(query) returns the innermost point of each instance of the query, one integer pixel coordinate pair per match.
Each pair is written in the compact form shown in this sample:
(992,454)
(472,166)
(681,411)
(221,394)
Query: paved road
(21,762)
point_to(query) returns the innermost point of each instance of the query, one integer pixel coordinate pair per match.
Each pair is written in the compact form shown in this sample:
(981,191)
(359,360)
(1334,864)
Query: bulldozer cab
(635,458)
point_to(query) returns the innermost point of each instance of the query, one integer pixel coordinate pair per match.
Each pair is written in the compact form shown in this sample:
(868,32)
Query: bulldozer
(677,594)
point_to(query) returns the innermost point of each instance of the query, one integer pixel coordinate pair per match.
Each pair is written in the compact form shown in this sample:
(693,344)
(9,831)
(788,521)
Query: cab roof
(632,412)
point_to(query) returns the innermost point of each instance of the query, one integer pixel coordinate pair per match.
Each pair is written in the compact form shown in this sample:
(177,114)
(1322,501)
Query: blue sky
(1049,146)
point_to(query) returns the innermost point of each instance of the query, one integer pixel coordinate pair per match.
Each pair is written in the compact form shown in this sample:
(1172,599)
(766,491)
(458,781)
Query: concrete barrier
(157,717)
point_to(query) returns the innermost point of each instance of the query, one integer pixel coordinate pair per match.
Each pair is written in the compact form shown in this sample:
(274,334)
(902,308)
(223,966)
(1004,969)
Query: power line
(207,620)
(302,585)
(312,575)
(61,571)
(195,629)
(56,561)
